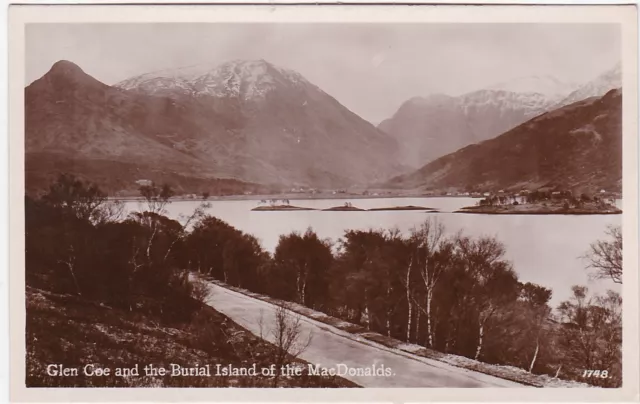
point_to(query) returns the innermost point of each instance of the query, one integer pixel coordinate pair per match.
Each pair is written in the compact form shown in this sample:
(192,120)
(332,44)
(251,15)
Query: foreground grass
(74,332)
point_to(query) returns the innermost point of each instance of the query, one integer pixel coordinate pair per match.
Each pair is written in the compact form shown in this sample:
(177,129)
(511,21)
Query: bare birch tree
(432,254)
(605,256)
(287,335)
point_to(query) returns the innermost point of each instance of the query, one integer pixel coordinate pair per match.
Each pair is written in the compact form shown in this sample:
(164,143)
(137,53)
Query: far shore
(530,209)
(287,196)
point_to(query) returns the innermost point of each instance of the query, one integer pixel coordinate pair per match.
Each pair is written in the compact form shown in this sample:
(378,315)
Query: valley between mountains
(250,127)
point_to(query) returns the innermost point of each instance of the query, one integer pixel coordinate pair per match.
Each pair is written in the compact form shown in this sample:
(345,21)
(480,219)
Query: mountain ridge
(600,85)
(578,146)
(279,129)
(428,127)
(428,130)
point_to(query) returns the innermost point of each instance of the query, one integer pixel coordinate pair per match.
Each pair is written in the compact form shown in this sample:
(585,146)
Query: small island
(273,205)
(272,208)
(408,207)
(544,203)
(347,207)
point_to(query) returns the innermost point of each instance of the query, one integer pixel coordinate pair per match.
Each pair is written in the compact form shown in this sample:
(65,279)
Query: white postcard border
(21,15)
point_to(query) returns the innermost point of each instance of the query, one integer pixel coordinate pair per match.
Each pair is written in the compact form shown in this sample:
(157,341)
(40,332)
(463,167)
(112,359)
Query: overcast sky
(369,68)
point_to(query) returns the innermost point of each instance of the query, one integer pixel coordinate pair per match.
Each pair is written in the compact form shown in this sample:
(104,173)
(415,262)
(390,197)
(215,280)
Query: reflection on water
(543,249)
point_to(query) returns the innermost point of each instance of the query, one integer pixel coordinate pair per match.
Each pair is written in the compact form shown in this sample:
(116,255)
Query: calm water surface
(544,249)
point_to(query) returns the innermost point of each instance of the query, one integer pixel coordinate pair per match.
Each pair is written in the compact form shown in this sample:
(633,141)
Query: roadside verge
(504,372)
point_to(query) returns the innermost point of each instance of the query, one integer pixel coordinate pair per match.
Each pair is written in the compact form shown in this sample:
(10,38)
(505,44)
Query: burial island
(272,208)
(407,207)
(347,207)
(275,205)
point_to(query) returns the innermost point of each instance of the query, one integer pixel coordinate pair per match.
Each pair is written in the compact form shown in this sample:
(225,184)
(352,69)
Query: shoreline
(289,197)
(538,211)
(290,208)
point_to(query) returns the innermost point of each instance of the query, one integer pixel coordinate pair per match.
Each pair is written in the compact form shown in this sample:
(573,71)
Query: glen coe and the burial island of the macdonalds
(323,205)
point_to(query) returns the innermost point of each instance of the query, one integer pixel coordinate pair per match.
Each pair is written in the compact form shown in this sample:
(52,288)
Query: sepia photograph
(325,205)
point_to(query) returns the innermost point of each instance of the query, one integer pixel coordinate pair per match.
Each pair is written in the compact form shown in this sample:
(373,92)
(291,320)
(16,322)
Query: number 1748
(603,374)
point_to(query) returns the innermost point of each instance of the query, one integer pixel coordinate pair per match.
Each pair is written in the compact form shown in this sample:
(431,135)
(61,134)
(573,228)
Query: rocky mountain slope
(244,121)
(578,146)
(430,127)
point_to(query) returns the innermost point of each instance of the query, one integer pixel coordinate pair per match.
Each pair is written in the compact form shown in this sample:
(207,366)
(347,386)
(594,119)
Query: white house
(144,183)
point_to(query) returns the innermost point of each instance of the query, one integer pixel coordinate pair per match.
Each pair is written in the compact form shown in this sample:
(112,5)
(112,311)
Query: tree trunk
(558,371)
(409,317)
(75,280)
(429,331)
(535,356)
(298,285)
(304,290)
(153,235)
(409,302)
(480,337)
(388,322)
(367,313)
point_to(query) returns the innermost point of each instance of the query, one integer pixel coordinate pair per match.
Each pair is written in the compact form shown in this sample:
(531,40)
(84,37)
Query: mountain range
(243,121)
(253,126)
(430,127)
(577,147)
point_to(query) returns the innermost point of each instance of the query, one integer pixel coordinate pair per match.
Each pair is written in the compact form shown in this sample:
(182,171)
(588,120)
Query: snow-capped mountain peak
(546,85)
(599,86)
(244,79)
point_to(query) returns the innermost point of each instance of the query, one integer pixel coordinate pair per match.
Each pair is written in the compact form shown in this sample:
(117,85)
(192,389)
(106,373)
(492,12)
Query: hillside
(69,330)
(245,121)
(578,146)
(430,127)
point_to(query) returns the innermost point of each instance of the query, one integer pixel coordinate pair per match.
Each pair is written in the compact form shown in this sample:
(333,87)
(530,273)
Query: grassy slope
(68,330)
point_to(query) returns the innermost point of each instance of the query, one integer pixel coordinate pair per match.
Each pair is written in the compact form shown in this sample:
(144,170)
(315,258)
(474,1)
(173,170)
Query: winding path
(330,346)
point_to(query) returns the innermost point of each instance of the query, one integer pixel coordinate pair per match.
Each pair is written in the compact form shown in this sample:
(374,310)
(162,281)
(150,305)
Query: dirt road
(330,347)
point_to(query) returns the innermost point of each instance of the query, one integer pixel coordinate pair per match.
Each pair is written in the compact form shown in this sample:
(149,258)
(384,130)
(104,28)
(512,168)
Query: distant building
(602,191)
(144,183)
(487,194)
